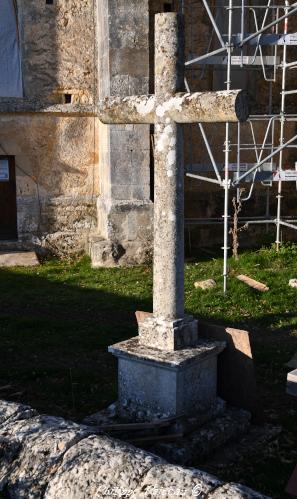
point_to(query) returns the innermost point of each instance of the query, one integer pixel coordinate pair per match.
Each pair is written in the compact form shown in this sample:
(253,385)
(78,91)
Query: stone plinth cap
(168,359)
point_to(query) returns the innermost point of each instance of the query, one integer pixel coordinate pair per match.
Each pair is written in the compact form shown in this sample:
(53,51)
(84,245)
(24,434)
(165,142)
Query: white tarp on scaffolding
(10,57)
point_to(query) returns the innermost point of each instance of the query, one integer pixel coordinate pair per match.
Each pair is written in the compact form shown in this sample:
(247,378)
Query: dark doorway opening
(8,204)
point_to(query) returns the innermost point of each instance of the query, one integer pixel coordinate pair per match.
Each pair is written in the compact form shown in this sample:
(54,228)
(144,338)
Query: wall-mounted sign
(4,170)
(285,176)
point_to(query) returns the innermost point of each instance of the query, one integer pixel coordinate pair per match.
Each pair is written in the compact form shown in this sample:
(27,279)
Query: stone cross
(167,109)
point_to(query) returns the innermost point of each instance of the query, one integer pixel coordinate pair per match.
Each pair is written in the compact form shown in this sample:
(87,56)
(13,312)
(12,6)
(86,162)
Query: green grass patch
(57,320)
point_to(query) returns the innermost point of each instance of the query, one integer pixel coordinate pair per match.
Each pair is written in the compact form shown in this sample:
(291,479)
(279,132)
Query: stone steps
(204,435)
(198,445)
(18,258)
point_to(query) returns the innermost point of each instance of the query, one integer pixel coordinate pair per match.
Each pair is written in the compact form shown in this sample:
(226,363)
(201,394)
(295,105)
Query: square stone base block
(156,384)
(163,334)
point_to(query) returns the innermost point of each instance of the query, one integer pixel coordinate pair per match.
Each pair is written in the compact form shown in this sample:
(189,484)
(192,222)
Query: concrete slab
(292,383)
(18,259)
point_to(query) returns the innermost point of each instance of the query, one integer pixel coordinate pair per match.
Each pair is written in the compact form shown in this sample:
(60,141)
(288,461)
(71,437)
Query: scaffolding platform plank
(237,60)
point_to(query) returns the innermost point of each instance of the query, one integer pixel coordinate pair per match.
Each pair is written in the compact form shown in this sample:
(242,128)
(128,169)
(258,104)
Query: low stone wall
(48,457)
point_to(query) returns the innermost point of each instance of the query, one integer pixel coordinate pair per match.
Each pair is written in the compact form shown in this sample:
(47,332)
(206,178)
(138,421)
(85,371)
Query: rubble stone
(37,446)
(45,457)
(233,491)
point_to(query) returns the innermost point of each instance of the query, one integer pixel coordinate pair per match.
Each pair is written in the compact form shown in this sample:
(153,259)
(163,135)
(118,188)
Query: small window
(67,98)
(49,2)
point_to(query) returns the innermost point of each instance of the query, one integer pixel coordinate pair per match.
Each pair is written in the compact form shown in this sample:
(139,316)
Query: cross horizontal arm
(206,107)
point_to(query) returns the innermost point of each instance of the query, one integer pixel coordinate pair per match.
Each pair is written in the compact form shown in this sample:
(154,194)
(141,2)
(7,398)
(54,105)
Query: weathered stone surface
(201,443)
(56,195)
(170,481)
(222,106)
(56,157)
(25,107)
(98,467)
(293,283)
(124,206)
(156,332)
(47,457)
(38,445)
(234,491)
(54,65)
(185,425)
(9,450)
(21,259)
(157,383)
(185,357)
(208,284)
(12,411)
(168,278)
(53,69)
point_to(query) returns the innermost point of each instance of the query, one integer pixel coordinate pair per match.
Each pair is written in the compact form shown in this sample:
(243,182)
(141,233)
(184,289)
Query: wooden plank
(259,286)
(138,426)
(156,438)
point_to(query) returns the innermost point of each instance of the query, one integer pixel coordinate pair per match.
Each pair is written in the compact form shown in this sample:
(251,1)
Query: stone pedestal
(158,384)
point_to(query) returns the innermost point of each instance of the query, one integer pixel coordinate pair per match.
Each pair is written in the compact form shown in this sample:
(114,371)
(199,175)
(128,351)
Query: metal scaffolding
(257,37)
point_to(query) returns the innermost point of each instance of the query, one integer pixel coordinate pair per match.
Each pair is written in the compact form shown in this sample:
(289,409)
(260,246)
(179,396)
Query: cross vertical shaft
(155,379)
(168,329)
(169,174)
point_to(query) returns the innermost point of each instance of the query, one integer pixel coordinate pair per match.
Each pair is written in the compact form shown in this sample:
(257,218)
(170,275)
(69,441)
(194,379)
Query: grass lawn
(57,320)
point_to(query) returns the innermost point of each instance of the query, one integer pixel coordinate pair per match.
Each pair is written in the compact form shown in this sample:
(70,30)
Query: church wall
(63,194)
(56,158)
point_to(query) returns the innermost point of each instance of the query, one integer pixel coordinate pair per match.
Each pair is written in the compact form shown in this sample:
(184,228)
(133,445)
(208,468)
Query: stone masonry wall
(124,207)
(58,180)
(48,457)
(56,158)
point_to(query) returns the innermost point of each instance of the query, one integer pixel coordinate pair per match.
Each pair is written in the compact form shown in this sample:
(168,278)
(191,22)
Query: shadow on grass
(54,340)
(56,325)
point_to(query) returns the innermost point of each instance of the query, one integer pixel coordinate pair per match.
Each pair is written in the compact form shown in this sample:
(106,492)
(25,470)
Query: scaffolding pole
(227,44)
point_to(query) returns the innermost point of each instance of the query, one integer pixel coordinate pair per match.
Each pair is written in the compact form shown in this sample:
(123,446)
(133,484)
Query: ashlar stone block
(154,383)
(169,335)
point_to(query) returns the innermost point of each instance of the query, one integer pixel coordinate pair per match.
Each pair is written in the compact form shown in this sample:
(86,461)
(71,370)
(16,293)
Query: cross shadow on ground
(54,339)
